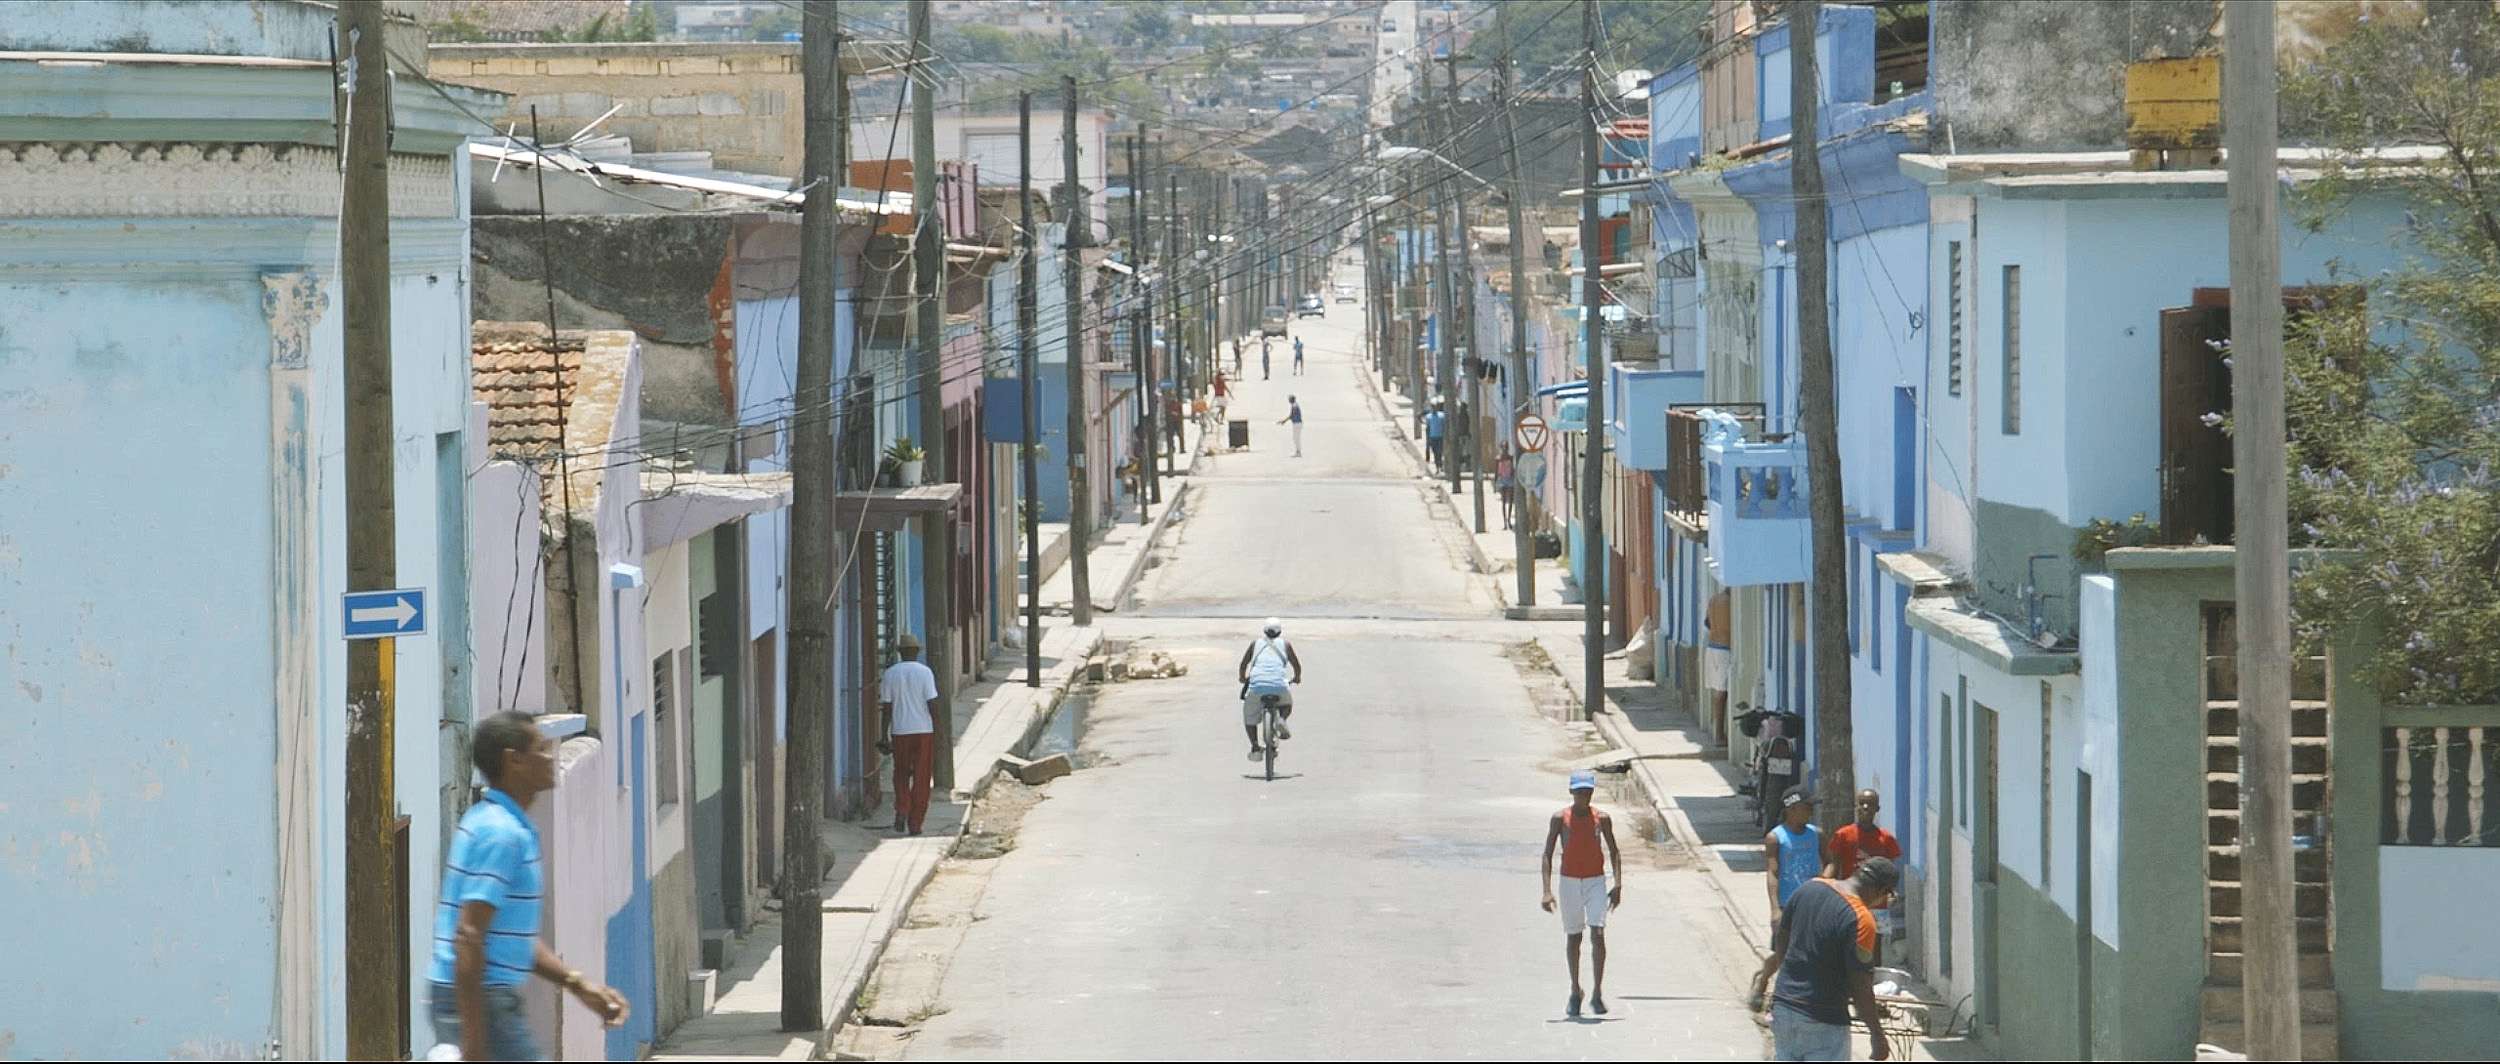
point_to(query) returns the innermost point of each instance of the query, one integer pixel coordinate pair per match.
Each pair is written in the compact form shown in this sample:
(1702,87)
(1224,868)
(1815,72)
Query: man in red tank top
(1585,898)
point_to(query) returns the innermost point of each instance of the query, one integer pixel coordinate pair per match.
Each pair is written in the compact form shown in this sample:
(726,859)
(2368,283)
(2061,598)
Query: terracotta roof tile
(525,382)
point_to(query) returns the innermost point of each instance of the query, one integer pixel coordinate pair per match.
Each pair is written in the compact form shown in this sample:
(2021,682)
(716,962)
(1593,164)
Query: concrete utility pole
(928,253)
(1835,770)
(2270,983)
(376,1023)
(1464,299)
(1592,350)
(1176,258)
(1522,403)
(1028,321)
(1080,492)
(811,521)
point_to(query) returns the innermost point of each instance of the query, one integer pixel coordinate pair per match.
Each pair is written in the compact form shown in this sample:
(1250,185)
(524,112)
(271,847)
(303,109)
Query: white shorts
(1582,903)
(1714,668)
(1251,707)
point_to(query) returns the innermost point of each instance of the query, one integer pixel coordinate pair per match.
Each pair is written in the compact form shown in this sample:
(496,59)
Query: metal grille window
(1953,318)
(664,725)
(2013,350)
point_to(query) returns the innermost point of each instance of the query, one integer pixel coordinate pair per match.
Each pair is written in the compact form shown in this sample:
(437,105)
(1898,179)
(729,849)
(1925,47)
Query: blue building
(174,561)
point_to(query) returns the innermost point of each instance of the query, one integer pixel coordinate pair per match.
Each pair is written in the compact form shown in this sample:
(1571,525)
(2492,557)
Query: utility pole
(1141,318)
(1028,321)
(1522,541)
(1463,298)
(2270,983)
(376,1019)
(1175,257)
(1593,451)
(1835,770)
(1080,493)
(928,253)
(811,521)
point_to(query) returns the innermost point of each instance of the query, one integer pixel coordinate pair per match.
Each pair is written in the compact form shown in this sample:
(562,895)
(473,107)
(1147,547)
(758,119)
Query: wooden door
(2195,455)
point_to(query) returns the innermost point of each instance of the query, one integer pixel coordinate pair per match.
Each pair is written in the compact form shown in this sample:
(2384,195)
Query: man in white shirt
(1267,668)
(909,693)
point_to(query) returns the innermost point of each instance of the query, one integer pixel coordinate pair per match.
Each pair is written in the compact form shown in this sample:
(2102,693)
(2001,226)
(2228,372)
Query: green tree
(981,43)
(1145,26)
(461,26)
(2393,385)
(1651,34)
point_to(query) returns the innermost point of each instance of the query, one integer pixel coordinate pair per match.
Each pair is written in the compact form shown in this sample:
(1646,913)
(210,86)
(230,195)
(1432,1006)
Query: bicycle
(1268,723)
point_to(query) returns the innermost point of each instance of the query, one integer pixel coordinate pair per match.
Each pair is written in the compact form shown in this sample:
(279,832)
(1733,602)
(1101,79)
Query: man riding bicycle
(1268,667)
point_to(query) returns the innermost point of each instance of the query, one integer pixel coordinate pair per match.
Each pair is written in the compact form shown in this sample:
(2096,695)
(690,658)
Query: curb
(1679,825)
(1179,497)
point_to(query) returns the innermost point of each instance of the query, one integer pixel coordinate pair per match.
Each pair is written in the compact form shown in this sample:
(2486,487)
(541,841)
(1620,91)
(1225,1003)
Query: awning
(680,506)
(1566,389)
(890,509)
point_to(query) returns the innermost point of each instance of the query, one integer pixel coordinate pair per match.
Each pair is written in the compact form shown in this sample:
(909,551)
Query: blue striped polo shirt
(493,859)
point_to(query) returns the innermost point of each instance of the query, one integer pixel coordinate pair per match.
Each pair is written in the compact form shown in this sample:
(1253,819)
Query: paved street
(1378,900)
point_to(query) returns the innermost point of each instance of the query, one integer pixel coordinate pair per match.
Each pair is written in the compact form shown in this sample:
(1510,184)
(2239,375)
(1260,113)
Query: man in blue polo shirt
(486,921)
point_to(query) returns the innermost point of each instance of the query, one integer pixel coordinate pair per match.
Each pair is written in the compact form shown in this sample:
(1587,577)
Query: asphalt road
(1377,900)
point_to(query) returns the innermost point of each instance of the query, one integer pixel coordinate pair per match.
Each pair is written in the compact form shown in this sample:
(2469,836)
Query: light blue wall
(1879,313)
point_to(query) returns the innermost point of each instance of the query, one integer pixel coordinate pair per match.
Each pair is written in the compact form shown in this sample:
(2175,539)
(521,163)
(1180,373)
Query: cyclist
(1267,668)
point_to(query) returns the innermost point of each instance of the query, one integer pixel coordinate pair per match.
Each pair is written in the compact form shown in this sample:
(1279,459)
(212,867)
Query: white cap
(1274,626)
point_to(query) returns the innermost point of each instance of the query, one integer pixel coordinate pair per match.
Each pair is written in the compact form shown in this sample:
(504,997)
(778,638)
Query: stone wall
(739,101)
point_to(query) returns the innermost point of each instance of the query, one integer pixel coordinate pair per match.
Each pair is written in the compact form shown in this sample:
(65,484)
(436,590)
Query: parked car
(1272,322)
(1311,307)
(1345,293)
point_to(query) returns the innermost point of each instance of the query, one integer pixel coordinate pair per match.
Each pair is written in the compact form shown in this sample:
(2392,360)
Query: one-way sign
(383,614)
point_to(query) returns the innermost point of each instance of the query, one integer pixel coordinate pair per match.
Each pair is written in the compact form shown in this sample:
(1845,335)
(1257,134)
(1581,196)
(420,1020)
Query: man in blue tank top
(1794,847)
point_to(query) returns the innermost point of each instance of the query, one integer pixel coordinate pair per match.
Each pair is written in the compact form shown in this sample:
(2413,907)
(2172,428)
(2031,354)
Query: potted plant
(907,458)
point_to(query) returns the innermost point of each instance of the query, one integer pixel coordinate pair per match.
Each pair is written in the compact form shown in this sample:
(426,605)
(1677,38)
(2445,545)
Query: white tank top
(1270,664)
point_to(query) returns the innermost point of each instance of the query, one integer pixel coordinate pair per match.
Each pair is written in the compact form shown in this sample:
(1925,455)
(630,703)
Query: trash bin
(1237,434)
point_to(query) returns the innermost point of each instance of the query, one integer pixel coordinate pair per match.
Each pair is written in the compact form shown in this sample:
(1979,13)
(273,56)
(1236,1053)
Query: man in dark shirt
(1825,951)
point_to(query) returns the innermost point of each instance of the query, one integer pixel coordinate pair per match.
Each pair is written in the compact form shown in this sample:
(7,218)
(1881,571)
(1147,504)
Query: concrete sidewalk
(1493,550)
(874,875)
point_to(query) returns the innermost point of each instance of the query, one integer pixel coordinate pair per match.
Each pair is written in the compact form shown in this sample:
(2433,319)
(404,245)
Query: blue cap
(1584,780)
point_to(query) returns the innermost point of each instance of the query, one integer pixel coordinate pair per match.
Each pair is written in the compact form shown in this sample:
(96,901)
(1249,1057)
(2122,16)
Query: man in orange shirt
(1858,841)
(1585,899)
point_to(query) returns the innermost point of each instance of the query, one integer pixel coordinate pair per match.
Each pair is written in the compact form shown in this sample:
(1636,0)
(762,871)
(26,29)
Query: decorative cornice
(151,180)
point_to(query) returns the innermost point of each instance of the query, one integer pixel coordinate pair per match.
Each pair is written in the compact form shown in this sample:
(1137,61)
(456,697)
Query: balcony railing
(1688,495)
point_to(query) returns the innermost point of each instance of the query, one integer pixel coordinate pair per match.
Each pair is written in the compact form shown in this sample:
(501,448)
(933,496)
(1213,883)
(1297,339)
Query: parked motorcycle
(1778,760)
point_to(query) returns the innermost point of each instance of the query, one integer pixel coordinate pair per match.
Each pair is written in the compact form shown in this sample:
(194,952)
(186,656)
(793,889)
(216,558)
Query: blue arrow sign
(383,614)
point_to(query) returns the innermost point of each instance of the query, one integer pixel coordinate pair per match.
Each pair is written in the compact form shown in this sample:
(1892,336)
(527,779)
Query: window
(1953,318)
(2013,350)
(664,711)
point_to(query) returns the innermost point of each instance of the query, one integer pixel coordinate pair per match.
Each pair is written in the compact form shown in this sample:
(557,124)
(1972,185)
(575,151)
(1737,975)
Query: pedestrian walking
(1293,416)
(1236,356)
(1793,848)
(1824,953)
(909,693)
(1263,355)
(1297,356)
(1585,899)
(1434,424)
(488,916)
(1504,472)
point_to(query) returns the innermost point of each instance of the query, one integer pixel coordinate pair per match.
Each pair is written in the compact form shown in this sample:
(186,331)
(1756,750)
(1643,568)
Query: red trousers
(911,778)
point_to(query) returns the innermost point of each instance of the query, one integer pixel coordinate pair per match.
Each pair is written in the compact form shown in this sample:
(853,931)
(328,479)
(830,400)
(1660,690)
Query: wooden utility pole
(811,522)
(376,983)
(1175,259)
(1028,359)
(928,254)
(1835,771)
(2270,981)
(1592,351)
(1452,211)
(1522,401)
(1463,298)
(1141,317)
(1080,493)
